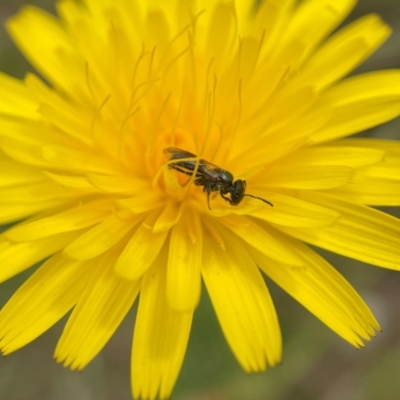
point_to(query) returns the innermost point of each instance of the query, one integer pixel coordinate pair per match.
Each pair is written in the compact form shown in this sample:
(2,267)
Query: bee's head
(237,191)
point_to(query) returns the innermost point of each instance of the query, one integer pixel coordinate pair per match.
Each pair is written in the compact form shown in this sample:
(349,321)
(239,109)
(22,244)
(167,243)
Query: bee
(210,176)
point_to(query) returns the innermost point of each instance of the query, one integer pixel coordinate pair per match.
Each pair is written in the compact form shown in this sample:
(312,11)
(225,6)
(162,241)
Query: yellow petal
(58,156)
(101,308)
(17,257)
(141,250)
(366,86)
(17,211)
(244,14)
(361,102)
(288,211)
(37,192)
(71,220)
(184,262)
(270,24)
(222,31)
(143,203)
(288,108)
(324,292)
(308,177)
(314,20)
(102,237)
(243,305)
(42,39)
(70,159)
(262,238)
(121,184)
(42,300)
(63,114)
(168,217)
(341,53)
(361,232)
(72,181)
(17,173)
(389,166)
(371,191)
(30,133)
(160,338)
(347,155)
(272,18)
(15,99)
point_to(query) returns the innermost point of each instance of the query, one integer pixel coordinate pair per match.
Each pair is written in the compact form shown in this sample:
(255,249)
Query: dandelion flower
(260,92)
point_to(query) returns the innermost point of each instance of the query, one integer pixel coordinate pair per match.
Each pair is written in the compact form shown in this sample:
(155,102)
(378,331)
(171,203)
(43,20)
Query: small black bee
(210,176)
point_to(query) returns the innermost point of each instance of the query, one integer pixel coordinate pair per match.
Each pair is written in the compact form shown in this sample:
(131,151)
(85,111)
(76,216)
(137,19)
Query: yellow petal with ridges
(372,191)
(15,99)
(102,306)
(261,237)
(58,157)
(72,181)
(271,17)
(69,159)
(14,212)
(119,184)
(361,102)
(134,13)
(102,237)
(356,117)
(222,31)
(288,108)
(378,84)
(42,300)
(288,211)
(350,156)
(73,219)
(341,53)
(72,120)
(184,263)
(168,217)
(308,177)
(160,338)
(387,170)
(325,14)
(324,292)
(243,305)
(141,250)
(30,133)
(388,167)
(17,174)
(16,257)
(44,190)
(41,37)
(254,157)
(361,232)
(245,11)
(140,204)
(90,42)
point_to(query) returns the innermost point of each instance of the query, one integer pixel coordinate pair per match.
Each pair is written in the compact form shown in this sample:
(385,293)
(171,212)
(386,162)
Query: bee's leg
(225,198)
(208,200)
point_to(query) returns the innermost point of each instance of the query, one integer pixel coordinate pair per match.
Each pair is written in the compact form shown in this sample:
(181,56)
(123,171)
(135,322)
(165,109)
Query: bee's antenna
(259,198)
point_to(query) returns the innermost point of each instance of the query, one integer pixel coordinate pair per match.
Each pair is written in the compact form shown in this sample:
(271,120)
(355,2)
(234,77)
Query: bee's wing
(173,153)
(208,169)
(204,167)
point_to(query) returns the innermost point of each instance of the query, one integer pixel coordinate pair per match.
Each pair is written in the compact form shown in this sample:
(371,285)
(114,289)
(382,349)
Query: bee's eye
(237,193)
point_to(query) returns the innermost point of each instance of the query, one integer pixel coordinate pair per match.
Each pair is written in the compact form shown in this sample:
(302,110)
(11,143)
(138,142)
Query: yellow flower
(257,91)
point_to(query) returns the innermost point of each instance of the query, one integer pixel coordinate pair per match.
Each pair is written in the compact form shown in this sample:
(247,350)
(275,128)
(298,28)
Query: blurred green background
(317,364)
